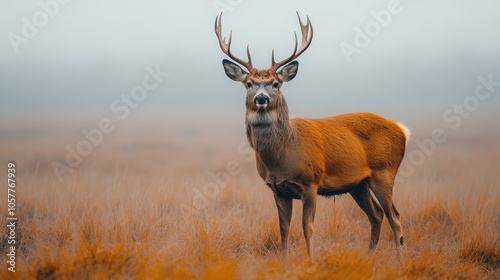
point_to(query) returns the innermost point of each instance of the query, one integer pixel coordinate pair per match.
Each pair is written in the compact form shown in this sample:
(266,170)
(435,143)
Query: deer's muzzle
(261,100)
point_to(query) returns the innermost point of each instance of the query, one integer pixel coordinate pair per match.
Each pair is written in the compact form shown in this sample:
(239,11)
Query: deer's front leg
(284,206)
(308,212)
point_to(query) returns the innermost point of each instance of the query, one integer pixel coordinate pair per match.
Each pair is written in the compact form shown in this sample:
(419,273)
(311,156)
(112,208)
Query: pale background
(91,52)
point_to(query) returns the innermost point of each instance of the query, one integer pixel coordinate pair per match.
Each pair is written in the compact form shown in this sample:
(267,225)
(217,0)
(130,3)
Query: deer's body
(357,153)
(333,154)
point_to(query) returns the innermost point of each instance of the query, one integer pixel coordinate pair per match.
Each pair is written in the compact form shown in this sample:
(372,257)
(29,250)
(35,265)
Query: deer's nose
(261,99)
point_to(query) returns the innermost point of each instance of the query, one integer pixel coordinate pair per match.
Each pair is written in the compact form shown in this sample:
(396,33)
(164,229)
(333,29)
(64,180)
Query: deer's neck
(269,132)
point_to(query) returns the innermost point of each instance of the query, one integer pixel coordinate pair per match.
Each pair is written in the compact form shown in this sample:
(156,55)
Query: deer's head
(263,85)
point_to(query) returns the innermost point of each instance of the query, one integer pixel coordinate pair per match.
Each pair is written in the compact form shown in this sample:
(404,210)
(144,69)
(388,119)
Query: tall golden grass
(119,214)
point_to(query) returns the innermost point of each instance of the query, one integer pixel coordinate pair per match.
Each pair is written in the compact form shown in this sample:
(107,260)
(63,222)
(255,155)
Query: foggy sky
(92,52)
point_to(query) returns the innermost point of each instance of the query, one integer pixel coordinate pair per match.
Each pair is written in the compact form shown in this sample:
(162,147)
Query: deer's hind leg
(368,203)
(381,183)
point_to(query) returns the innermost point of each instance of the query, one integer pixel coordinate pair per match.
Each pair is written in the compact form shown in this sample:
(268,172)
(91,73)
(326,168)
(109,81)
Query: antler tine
(306,41)
(226,47)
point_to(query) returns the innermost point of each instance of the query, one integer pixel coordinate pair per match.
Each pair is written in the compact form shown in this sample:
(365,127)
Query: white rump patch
(406,131)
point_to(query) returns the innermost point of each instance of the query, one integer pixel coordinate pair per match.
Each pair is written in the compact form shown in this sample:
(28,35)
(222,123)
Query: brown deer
(299,158)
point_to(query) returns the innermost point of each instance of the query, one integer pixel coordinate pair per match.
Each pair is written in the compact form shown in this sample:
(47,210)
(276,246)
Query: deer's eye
(249,85)
(276,85)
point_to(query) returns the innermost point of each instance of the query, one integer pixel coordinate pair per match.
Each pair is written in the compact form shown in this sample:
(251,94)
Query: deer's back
(343,150)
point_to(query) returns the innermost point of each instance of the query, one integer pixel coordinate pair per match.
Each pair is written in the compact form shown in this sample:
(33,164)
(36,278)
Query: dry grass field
(146,204)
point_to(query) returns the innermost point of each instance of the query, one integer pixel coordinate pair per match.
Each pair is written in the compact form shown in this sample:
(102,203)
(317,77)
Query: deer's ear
(233,71)
(289,71)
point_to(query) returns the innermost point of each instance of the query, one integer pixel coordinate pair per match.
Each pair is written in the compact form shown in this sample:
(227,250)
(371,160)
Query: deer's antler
(306,41)
(226,47)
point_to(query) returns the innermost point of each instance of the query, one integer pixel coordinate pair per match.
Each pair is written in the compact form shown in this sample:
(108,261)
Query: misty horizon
(89,55)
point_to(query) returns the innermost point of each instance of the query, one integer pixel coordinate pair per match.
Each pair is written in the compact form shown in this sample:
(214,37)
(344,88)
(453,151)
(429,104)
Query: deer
(301,158)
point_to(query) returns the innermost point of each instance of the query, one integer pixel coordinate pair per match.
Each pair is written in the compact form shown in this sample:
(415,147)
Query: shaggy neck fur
(269,131)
